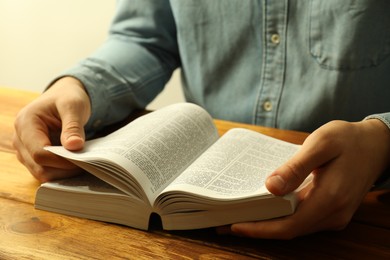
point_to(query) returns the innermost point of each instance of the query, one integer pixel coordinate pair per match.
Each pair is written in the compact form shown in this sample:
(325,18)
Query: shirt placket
(273,67)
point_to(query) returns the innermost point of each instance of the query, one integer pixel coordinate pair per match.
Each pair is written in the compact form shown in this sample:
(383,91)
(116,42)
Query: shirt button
(275,39)
(267,106)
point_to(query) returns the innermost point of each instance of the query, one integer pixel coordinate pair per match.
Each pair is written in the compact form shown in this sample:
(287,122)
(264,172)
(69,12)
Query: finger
(30,142)
(278,228)
(40,161)
(271,229)
(304,221)
(45,174)
(42,173)
(313,154)
(319,209)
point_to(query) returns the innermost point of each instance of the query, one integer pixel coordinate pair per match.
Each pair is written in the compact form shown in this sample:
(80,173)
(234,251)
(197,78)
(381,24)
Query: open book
(172,162)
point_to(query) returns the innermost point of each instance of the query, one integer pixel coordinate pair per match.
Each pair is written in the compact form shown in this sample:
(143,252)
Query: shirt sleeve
(384,180)
(384,117)
(133,65)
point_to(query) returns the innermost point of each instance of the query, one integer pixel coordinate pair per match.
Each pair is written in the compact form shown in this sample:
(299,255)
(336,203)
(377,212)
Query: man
(287,64)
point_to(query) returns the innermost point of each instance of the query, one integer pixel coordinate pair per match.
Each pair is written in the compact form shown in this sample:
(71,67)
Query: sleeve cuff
(385,118)
(383,182)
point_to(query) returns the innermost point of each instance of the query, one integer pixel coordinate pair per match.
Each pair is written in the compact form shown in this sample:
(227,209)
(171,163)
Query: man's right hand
(57,116)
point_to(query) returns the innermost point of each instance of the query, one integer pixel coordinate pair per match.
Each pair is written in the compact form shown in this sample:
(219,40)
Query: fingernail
(278,182)
(73,142)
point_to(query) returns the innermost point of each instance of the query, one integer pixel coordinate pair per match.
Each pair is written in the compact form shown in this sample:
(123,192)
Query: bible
(172,162)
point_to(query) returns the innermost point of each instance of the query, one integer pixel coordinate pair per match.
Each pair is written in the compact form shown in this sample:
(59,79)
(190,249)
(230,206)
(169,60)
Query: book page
(236,166)
(84,183)
(87,196)
(153,149)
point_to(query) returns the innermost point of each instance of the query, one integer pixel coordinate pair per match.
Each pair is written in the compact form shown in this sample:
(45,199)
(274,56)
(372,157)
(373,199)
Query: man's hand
(345,159)
(58,115)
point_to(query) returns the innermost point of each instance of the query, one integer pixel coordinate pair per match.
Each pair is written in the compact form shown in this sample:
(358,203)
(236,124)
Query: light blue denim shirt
(289,64)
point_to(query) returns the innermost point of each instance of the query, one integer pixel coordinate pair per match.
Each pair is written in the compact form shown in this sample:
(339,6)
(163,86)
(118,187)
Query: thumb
(313,154)
(287,177)
(72,134)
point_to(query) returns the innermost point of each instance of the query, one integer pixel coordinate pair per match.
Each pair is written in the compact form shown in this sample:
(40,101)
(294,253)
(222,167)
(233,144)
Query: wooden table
(27,233)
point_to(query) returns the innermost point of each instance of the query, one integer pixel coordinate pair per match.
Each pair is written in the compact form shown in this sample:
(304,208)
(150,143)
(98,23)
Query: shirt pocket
(349,34)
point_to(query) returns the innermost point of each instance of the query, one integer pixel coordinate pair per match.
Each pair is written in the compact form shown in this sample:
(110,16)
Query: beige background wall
(41,38)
